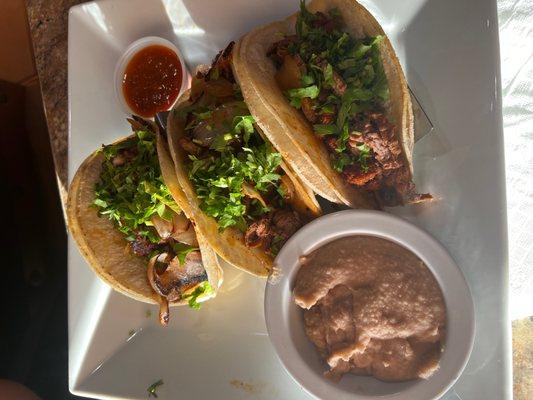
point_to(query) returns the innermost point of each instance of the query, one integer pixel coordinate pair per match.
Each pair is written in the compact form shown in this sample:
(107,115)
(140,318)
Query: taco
(123,214)
(244,199)
(327,88)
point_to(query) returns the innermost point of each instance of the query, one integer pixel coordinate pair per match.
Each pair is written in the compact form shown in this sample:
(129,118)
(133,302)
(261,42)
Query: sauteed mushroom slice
(152,278)
(170,278)
(252,193)
(164,312)
(179,228)
(162,226)
(187,237)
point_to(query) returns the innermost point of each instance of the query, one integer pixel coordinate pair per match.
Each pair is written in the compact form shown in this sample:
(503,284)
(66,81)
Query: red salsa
(152,80)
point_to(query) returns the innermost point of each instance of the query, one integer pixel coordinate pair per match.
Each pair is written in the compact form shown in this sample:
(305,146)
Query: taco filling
(132,194)
(236,174)
(339,84)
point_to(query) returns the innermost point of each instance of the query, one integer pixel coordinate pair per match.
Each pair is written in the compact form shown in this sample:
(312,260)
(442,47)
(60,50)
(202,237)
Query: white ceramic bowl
(284,318)
(130,51)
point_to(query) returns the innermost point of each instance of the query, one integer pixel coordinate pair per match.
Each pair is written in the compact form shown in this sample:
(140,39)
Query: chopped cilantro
(237,162)
(203,289)
(349,103)
(219,177)
(131,191)
(327,109)
(218,181)
(324,130)
(342,160)
(343,139)
(304,20)
(204,115)
(182,250)
(365,152)
(152,389)
(296,95)
(307,80)
(328,75)
(243,125)
(327,52)
(241,128)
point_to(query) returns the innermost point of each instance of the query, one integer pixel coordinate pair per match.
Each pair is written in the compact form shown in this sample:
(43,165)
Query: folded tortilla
(104,247)
(288,129)
(228,243)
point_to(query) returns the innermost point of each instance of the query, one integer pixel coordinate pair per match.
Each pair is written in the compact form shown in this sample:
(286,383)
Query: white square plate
(450,53)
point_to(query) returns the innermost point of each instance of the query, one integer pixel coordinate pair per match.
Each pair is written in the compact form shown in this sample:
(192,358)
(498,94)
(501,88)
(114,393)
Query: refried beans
(373,308)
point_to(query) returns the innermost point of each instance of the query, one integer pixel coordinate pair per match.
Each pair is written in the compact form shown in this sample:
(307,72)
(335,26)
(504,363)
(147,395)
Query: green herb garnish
(342,160)
(219,178)
(152,389)
(307,80)
(324,130)
(296,95)
(131,188)
(343,75)
(365,153)
(203,289)
(182,250)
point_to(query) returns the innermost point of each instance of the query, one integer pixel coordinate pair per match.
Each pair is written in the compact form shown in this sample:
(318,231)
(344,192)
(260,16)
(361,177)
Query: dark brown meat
(385,150)
(273,230)
(355,140)
(279,50)
(189,146)
(300,63)
(400,180)
(339,86)
(327,119)
(308,110)
(354,175)
(142,247)
(398,187)
(331,143)
(285,223)
(124,156)
(387,173)
(258,233)
(222,61)
(380,136)
(326,22)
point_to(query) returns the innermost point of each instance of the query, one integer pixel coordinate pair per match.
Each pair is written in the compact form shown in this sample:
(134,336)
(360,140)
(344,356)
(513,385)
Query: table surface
(48,21)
